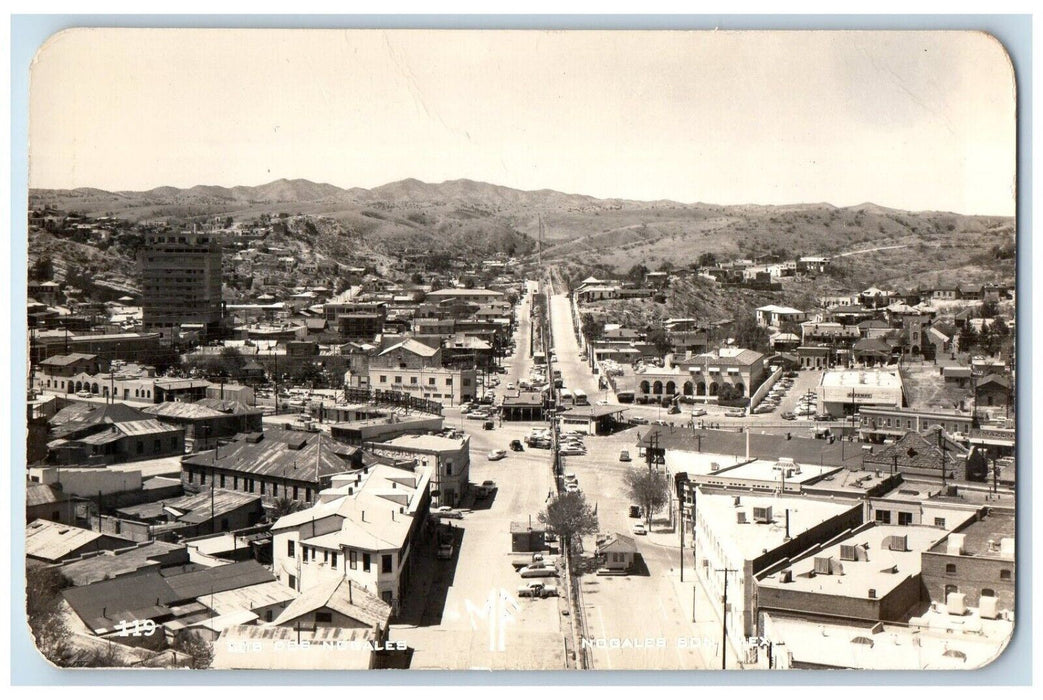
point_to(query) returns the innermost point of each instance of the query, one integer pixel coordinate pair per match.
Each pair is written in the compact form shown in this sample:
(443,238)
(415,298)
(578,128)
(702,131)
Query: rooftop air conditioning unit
(824,565)
(955,545)
(762,514)
(740,517)
(988,607)
(848,552)
(956,603)
(899,543)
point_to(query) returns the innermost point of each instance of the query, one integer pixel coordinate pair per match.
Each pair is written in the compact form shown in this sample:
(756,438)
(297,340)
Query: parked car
(510,386)
(521,562)
(445,551)
(788,416)
(516,445)
(84,394)
(624,456)
(736,413)
(638,420)
(538,590)
(496,455)
(572,450)
(825,416)
(698,412)
(488,425)
(639,529)
(447,512)
(538,571)
(572,488)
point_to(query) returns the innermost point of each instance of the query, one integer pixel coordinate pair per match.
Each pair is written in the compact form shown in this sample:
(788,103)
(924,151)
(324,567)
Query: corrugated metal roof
(343,596)
(318,456)
(102,605)
(219,578)
(54,541)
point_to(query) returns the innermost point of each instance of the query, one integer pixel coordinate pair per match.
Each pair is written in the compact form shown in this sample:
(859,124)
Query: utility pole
(724,617)
(680,529)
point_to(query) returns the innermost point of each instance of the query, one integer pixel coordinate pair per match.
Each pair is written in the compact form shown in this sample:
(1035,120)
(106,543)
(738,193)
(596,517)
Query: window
(365,561)
(988,592)
(398,379)
(293,582)
(883,516)
(905,518)
(950,568)
(323,618)
(467,381)
(295,493)
(268,616)
(412,380)
(191,476)
(1005,575)
(431,381)
(333,559)
(325,557)
(383,379)
(304,554)
(939,522)
(222,481)
(290,549)
(262,487)
(386,596)
(449,381)
(141,447)
(202,478)
(157,445)
(353,561)
(385,564)
(235,483)
(307,494)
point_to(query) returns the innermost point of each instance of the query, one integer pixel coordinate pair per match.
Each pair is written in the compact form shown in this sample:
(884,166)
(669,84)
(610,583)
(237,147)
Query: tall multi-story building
(181,281)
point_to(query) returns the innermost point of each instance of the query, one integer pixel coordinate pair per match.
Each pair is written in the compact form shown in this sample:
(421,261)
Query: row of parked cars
(775,396)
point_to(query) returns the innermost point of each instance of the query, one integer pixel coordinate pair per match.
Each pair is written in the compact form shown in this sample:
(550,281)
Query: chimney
(363,516)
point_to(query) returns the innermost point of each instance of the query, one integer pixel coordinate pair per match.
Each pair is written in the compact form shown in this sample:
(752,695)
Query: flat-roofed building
(977,563)
(844,392)
(739,535)
(449,458)
(181,281)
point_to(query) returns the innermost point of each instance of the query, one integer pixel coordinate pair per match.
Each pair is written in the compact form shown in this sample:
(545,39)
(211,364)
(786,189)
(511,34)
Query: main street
(466,612)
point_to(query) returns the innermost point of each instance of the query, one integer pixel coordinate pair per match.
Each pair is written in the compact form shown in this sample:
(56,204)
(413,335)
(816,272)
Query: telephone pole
(724,617)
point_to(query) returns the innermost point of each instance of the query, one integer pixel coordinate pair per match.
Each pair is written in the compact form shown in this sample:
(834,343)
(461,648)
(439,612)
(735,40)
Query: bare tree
(569,516)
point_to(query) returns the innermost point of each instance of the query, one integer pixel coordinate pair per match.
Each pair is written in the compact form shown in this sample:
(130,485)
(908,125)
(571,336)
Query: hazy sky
(903,119)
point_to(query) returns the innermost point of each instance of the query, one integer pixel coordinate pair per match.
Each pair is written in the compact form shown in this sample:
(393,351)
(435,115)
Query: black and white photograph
(520,350)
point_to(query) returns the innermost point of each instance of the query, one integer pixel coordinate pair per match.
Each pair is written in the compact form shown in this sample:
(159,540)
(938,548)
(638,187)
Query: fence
(764,388)
(392,398)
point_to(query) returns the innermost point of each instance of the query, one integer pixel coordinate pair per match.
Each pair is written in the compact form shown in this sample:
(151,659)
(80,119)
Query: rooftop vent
(786,576)
(872,593)
(824,565)
(955,544)
(762,514)
(740,517)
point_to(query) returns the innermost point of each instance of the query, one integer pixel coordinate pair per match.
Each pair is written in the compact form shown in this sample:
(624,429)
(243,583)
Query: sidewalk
(707,625)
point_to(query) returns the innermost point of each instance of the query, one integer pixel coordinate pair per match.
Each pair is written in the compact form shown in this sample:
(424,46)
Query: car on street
(624,456)
(638,420)
(495,455)
(516,445)
(538,590)
(639,529)
(572,451)
(788,416)
(736,413)
(698,412)
(488,425)
(84,394)
(510,386)
(447,512)
(445,551)
(538,571)
(825,416)
(572,488)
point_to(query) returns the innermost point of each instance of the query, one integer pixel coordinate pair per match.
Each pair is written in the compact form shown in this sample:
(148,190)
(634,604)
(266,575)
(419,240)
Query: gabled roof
(86,414)
(343,596)
(413,346)
(54,542)
(994,379)
(193,584)
(618,543)
(285,453)
(918,451)
(66,360)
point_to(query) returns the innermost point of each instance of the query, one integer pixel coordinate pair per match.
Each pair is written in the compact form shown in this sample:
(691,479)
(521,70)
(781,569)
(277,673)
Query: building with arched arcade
(725,374)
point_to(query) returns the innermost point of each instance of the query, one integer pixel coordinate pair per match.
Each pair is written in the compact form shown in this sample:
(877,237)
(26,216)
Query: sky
(911,120)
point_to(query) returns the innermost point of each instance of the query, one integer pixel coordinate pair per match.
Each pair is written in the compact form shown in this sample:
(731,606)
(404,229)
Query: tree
(748,334)
(666,266)
(592,328)
(707,260)
(43,600)
(658,337)
(200,651)
(968,338)
(284,505)
(568,516)
(650,488)
(637,273)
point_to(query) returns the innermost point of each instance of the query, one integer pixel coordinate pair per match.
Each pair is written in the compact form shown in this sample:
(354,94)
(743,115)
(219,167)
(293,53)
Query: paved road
(469,615)
(575,372)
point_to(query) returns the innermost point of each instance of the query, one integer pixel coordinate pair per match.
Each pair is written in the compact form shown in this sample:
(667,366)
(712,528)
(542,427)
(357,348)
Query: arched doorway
(671,388)
(644,387)
(740,390)
(94,388)
(657,388)
(700,389)
(687,388)
(79,386)
(713,388)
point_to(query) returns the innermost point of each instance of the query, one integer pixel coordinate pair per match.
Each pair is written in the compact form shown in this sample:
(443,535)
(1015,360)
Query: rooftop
(54,542)
(984,537)
(278,452)
(777,471)
(192,584)
(431,443)
(248,597)
(751,539)
(856,378)
(875,557)
(108,565)
(343,596)
(803,450)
